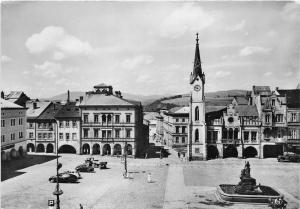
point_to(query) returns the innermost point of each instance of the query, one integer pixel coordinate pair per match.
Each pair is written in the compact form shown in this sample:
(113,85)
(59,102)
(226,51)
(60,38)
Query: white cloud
(237,27)
(57,41)
(5,59)
(222,74)
(288,74)
(48,69)
(267,74)
(132,63)
(249,50)
(187,18)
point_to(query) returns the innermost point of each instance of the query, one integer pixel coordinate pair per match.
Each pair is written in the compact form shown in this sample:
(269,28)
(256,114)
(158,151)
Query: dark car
(289,157)
(84,168)
(64,178)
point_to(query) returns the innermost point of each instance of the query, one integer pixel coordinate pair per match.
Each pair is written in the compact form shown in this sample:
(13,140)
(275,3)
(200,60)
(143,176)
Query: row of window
(106,118)
(178,120)
(182,140)
(292,134)
(44,136)
(106,133)
(183,128)
(67,124)
(12,122)
(12,137)
(250,134)
(67,136)
(278,118)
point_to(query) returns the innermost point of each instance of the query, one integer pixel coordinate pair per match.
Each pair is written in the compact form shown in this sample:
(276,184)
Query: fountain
(247,190)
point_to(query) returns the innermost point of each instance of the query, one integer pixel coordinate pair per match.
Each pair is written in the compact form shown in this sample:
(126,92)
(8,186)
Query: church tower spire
(197,70)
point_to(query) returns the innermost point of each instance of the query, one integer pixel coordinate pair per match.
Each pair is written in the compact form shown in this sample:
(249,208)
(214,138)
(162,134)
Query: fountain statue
(247,185)
(247,190)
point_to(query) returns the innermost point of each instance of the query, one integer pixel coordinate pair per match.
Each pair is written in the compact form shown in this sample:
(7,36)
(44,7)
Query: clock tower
(197,127)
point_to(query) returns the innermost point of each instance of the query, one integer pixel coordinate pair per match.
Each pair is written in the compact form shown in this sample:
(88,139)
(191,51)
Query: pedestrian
(178,155)
(80,206)
(146,155)
(149,178)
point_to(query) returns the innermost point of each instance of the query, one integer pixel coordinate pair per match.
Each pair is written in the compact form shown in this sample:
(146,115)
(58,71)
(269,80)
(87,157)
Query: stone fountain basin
(226,192)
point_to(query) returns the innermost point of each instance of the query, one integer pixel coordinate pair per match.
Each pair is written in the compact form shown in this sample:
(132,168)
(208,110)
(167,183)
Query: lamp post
(57,191)
(125,158)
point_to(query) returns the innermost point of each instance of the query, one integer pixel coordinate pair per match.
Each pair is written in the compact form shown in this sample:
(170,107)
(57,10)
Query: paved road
(176,185)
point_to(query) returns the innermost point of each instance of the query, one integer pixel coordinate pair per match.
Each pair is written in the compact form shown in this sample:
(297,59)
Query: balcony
(108,124)
(230,141)
(293,141)
(110,139)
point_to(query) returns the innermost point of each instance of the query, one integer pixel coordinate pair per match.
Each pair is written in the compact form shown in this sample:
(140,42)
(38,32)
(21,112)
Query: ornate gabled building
(109,122)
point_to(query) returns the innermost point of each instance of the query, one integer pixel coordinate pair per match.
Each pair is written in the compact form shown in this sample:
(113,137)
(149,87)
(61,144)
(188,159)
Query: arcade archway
(96,149)
(106,150)
(30,147)
(86,149)
(230,151)
(117,149)
(40,148)
(212,152)
(67,149)
(250,152)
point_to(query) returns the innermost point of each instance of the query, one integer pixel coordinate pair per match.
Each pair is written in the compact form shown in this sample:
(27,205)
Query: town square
(173,105)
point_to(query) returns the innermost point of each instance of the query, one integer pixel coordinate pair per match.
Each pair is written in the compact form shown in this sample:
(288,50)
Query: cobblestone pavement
(176,185)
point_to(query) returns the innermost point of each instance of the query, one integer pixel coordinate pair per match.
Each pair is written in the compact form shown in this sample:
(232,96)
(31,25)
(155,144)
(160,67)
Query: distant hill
(76,94)
(219,98)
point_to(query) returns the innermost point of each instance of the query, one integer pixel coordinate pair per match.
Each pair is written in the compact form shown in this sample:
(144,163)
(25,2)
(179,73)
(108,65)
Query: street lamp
(57,190)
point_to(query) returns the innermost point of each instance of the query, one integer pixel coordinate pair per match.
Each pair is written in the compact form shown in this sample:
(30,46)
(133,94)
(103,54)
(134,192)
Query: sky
(147,48)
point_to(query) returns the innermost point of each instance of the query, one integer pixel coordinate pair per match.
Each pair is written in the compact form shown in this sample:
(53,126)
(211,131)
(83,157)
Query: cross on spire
(197,61)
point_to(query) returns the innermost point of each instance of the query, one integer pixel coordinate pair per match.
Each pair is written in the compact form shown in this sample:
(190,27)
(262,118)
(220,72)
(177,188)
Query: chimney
(80,99)
(2,94)
(34,105)
(68,100)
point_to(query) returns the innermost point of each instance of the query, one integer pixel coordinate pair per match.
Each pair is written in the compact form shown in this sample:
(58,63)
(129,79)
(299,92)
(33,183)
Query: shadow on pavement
(154,151)
(9,169)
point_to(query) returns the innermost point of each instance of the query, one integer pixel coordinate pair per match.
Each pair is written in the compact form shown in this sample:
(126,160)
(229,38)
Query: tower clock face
(197,88)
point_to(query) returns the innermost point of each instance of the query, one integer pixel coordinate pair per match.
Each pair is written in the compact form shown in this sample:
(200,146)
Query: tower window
(197,113)
(196,135)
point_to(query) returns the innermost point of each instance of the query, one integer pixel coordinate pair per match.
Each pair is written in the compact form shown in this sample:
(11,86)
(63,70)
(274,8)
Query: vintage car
(64,178)
(76,173)
(289,157)
(101,165)
(86,167)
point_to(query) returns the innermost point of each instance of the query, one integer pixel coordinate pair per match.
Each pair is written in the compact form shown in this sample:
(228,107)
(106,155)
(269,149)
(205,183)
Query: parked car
(289,157)
(64,178)
(76,173)
(85,168)
(101,165)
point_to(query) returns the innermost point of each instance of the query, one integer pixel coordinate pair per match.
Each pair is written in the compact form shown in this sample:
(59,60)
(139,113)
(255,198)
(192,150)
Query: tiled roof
(50,112)
(241,100)
(179,110)
(186,110)
(209,109)
(261,89)
(9,105)
(246,110)
(69,110)
(14,95)
(151,115)
(33,113)
(292,97)
(106,100)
